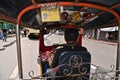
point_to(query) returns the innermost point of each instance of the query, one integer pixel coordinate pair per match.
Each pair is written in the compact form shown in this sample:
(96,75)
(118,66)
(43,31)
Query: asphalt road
(8,60)
(30,52)
(102,55)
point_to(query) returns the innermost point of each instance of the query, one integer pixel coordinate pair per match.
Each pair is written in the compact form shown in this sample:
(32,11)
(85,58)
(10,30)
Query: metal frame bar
(19,55)
(65,4)
(12,20)
(102,26)
(114,6)
(118,54)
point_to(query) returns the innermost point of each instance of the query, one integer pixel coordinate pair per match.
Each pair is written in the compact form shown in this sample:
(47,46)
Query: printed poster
(50,14)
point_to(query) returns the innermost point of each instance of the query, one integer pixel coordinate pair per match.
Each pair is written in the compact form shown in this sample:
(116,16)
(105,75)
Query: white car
(59,32)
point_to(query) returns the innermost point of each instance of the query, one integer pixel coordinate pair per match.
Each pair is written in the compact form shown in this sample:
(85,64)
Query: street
(30,52)
(102,55)
(8,60)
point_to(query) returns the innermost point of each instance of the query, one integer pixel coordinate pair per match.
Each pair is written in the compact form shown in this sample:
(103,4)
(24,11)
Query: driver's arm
(54,62)
(48,54)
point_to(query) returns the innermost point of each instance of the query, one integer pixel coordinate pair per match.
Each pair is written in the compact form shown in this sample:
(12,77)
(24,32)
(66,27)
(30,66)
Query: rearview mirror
(44,31)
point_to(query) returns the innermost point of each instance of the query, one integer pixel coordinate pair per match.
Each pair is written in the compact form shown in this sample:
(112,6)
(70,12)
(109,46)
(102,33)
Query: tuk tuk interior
(80,14)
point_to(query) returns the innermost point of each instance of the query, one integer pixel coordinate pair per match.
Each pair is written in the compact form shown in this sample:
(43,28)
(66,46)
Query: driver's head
(71,35)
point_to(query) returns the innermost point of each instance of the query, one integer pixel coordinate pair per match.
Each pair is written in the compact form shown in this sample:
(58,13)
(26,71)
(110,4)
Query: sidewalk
(102,41)
(10,40)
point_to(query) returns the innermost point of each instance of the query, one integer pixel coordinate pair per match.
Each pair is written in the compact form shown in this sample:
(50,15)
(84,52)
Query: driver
(70,36)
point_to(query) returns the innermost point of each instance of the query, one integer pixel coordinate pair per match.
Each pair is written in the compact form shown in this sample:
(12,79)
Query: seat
(74,65)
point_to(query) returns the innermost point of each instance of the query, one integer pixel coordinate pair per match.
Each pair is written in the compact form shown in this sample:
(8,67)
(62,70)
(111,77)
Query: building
(100,34)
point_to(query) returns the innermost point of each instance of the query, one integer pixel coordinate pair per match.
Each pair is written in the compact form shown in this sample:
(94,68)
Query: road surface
(8,60)
(102,55)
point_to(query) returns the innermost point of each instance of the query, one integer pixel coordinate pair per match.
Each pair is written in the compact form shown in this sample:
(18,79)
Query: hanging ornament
(76,16)
(86,15)
(64,15)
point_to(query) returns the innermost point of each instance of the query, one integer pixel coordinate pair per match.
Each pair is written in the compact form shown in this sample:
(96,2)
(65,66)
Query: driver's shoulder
(59,47)
(82,48)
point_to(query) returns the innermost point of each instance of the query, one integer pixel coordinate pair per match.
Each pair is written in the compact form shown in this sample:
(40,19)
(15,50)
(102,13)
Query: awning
(109,29)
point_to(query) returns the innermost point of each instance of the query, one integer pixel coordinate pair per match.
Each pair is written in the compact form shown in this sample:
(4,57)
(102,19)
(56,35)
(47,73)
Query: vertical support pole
(93,34)
(118,54)
(98,34)
(40,64)
(80,36)
(20,72)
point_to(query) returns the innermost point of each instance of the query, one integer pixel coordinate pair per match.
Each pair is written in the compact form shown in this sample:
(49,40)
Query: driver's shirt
(65,48)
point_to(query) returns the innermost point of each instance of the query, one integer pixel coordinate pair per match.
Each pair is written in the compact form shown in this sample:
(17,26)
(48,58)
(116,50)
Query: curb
(110,43)
(1,49)
(102,41)
(9,44)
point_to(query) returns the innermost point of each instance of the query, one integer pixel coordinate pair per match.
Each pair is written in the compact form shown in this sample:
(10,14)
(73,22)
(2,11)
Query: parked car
(59,32)
(33,34)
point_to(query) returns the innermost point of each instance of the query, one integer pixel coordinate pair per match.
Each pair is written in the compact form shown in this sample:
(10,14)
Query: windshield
(54,38)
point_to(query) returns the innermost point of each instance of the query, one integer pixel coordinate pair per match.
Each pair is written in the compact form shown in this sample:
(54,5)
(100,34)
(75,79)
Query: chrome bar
(118,54)
(19,56)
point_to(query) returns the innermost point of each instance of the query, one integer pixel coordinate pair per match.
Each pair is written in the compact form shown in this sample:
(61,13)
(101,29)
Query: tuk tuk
(54,15)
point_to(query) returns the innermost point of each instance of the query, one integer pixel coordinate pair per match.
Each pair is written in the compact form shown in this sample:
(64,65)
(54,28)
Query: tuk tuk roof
(10,9)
